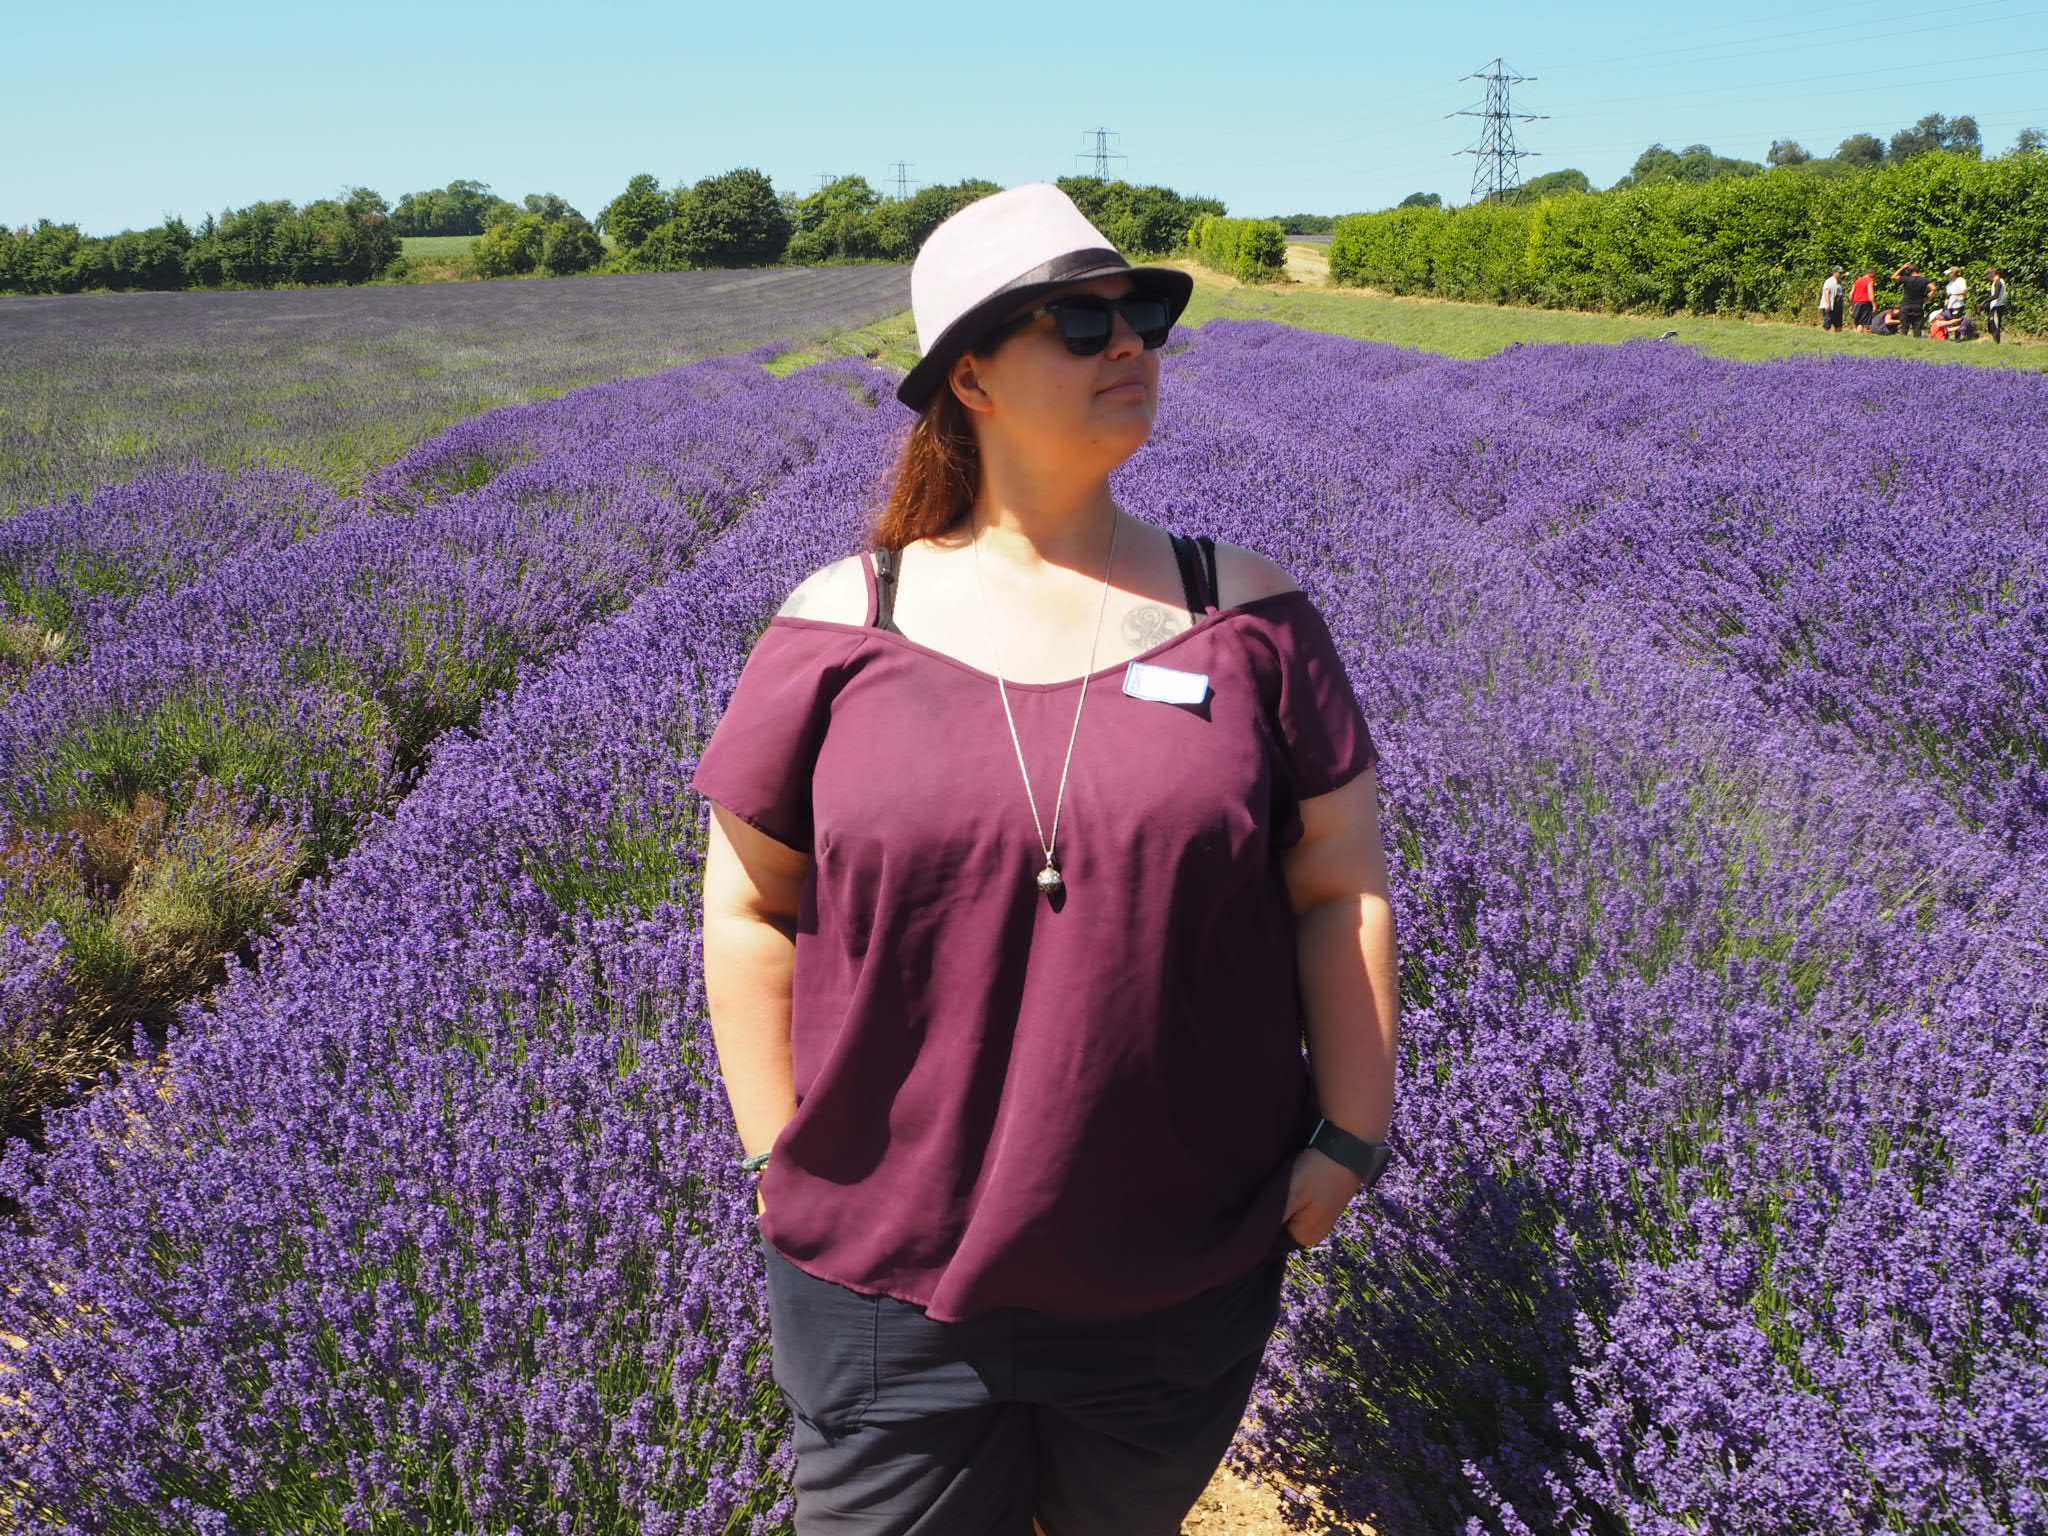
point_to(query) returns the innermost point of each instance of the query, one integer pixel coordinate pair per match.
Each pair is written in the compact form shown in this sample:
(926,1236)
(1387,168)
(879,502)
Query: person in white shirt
(1831,302)
(1958,287)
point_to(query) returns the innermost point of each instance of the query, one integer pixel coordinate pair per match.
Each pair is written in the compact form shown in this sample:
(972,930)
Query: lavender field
(1709,698)
(98,387)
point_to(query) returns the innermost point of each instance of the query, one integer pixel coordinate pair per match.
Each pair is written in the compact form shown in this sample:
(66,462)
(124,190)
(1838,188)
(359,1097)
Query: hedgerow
(1755,244)
(1251,250)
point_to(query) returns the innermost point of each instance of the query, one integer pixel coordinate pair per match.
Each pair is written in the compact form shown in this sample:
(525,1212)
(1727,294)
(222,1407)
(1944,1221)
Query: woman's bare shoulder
(836,593)
(1244,574)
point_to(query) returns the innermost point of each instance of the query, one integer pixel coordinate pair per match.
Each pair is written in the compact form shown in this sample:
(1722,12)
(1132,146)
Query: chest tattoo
(1147,626)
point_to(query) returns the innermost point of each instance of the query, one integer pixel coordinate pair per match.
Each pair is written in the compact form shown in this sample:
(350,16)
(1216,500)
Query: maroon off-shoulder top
(1088,1107)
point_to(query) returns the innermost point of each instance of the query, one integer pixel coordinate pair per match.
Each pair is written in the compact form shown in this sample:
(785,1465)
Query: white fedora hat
(998,253)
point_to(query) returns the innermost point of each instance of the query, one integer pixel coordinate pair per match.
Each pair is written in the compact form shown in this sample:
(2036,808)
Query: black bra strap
(1197,561)
(885,588)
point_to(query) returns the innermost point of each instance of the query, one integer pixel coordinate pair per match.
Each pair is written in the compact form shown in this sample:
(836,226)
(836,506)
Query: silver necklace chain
(1049,878)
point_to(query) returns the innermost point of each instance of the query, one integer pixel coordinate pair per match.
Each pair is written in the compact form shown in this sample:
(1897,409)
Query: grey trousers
(909,1427)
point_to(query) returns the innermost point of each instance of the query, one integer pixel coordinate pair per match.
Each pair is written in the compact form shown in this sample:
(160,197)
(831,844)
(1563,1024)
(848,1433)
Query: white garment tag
(1142,680)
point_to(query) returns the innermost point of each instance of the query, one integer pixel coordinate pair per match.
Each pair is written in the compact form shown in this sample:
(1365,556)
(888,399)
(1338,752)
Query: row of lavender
(1726,1020)
(337,381)
(1723,1078)
(253,661)
(466,1111)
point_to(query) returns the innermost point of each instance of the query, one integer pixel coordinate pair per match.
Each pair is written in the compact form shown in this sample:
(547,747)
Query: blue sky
(116,113)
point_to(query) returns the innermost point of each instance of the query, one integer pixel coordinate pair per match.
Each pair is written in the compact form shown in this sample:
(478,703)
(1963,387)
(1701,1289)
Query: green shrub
(511,248)
(1251,250)
(569,245)
(1755,244)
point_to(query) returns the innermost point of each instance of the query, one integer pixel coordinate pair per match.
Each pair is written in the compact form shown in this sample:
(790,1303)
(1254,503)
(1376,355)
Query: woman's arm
(752,885)
(1337,884)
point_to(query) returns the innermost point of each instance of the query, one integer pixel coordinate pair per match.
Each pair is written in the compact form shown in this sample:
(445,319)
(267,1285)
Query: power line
(1102,153)
(1496,166)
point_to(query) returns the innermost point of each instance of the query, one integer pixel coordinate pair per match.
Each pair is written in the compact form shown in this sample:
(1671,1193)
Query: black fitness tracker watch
(1367,1159)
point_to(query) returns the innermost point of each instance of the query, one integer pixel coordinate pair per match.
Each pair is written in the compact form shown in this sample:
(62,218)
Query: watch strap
(1367,1159)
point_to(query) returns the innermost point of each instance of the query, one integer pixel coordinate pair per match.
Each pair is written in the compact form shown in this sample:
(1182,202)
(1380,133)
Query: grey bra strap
(886,568)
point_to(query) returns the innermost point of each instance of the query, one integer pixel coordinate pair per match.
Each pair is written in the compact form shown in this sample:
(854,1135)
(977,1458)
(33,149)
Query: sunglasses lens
(1148,318)
(1087,322)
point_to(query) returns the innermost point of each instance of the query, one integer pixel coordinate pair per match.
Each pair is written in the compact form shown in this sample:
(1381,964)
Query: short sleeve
(1321,732)
(759,761)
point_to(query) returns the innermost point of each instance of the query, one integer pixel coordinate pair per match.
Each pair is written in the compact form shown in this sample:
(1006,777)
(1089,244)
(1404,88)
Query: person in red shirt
(1863,300)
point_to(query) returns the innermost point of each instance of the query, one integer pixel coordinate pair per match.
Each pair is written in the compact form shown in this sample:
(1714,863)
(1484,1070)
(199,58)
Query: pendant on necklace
(1049,881)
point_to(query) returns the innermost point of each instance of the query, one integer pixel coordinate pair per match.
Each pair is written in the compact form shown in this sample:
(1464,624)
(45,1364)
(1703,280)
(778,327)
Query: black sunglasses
(1087,320)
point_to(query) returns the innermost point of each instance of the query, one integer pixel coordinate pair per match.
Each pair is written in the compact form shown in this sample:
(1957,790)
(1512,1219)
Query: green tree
(2029,141)
(1555,183)
(1421,200)
(635,213)
(569,245)
(376,248)
(1786,152)
(1696,162)
(456,209)
(1139,220)
(136,259)
(510,247)
(1861,149)
(730,220)
(834,223)
(550,207)
(1958,135)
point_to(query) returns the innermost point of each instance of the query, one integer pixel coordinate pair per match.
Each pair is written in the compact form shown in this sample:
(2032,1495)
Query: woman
(1994,310)
(1863,300)
(1957,294)
(1036,837)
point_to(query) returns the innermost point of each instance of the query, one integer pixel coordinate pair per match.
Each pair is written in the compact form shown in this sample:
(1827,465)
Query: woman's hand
(1318,1189)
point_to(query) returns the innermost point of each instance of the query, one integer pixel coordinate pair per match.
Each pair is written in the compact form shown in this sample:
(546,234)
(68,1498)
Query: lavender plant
(336,382)
(317,675)
(71,570)
(1724,1034)
(1722,1102)
(505,1277)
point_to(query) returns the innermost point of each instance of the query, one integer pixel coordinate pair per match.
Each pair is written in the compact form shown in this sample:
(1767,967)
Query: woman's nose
(1124,340)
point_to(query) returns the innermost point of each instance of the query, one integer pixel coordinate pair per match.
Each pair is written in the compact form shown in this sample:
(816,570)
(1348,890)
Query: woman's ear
(965,382)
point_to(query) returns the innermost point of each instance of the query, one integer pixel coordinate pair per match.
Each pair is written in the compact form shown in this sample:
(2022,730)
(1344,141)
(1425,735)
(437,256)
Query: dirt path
(1230,1506)
(1308,263)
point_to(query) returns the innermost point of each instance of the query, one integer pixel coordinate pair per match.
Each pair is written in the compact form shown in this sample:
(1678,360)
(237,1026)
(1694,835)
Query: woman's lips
(1125,387)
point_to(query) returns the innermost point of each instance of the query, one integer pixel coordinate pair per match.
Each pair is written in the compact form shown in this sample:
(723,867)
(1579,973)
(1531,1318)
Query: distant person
(1886,324)
(1913,289)
(1863,300)
(1943,326)
(1994,310)
(1831,302)
(1957,293)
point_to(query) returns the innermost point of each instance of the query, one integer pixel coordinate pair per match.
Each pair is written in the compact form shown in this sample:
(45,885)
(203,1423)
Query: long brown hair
(937,475)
